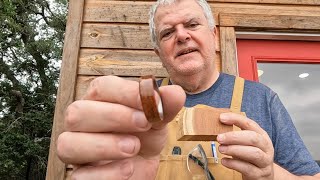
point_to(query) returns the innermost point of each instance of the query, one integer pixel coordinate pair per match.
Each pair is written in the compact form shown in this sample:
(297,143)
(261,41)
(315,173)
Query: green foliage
(31,41)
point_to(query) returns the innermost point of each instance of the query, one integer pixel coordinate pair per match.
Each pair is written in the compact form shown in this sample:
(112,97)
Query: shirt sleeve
(290,151)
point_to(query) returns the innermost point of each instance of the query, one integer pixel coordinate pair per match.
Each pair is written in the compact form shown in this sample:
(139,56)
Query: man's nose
(182,35)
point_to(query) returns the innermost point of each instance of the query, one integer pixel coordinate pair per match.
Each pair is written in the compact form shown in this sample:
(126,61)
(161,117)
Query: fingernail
(221,138)
(126,170)
(222,149)
(127,145)
(139,119)
(223,117)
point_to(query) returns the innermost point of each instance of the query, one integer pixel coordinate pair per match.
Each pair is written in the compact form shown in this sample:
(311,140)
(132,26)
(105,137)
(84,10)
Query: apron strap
(165,81)
(237,95)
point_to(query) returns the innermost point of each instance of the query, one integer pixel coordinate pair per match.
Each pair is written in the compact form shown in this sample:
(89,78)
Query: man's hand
(251,148)
(107,135)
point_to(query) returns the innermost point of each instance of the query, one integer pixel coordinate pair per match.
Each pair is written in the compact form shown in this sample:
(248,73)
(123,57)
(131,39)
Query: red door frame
(250,52)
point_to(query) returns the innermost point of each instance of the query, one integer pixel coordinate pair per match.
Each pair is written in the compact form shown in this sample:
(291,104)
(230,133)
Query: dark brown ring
(147,89)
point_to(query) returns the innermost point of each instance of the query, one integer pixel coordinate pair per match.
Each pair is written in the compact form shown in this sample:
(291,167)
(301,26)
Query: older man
(108,136)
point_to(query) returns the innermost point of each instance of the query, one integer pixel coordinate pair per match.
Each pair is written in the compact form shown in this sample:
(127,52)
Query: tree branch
(11,124)
(5,69)
(41,63)
(20,101)
(44,16)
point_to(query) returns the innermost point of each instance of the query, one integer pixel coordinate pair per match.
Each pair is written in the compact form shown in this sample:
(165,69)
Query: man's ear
(156,51)
(216,38)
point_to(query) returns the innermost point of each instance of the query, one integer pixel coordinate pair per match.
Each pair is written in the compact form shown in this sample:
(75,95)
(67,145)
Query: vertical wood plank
(56,169)
(229,61)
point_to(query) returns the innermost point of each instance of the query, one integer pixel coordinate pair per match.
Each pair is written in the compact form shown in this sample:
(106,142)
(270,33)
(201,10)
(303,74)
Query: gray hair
(203,4)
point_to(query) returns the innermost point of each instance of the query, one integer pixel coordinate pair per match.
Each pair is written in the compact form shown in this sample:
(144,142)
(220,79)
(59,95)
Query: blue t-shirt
(263,105)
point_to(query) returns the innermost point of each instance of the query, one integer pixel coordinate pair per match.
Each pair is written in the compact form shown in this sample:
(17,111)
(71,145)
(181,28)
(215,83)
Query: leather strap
(165,81)
(237,95)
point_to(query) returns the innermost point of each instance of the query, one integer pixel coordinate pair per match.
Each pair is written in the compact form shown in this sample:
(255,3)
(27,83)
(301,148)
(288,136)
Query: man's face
(186,43)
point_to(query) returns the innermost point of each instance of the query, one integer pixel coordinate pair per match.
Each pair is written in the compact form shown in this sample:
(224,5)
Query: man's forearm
(282,174)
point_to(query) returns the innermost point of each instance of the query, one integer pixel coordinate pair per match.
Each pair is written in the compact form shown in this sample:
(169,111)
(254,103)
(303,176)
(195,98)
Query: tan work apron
(174,167)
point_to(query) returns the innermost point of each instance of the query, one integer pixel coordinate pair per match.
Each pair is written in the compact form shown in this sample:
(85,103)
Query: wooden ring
(147,89)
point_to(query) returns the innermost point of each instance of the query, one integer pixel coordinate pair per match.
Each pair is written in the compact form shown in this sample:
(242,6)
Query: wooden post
(228,48)
(56,169)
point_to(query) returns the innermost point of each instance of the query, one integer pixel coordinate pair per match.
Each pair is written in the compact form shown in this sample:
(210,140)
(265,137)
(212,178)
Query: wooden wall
(105,37)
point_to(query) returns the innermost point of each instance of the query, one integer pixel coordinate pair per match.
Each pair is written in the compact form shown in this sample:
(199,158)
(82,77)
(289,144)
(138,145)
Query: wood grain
(56,169)
(121,54)
(295,2)
(120,68)
(123,63)
(124,36)
(148,90)
(228,51)
(137,11)
(102,35)
(270,21)
(83,83)
(119,62)
(201,123)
